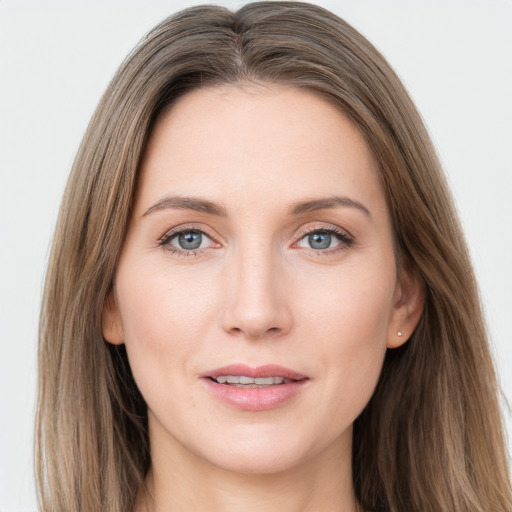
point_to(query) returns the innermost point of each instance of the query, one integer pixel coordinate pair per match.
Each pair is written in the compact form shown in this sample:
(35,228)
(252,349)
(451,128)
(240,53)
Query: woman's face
(260,246)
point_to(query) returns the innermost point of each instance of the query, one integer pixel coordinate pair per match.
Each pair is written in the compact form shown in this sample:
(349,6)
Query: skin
(257,292)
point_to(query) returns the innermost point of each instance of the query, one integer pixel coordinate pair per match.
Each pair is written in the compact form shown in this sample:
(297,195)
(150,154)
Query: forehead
(252,143)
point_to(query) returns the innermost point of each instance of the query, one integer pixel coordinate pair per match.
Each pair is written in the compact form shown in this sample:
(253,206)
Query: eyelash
(346,240)
(165,240)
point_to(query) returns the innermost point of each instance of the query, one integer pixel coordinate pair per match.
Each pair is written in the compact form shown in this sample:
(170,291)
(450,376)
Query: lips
(254,388)
(269,370)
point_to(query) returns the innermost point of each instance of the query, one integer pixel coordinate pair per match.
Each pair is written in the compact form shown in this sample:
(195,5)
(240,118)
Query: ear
(408,302)
(111,322)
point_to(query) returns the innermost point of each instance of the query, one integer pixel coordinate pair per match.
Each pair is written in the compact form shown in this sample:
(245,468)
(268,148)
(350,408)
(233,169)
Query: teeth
(269,381)
(258,381)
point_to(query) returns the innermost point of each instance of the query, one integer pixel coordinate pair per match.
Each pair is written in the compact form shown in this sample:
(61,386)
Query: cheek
(162,326)
(159,304)
(350,324)
(353,305)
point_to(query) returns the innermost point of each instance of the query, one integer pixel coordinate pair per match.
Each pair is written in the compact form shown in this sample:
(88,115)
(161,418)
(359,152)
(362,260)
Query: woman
(259,293)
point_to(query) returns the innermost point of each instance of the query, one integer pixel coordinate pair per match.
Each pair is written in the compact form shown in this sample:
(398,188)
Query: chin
(269,452)
(258,462)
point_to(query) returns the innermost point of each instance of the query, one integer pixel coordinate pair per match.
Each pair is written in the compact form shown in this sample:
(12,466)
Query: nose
(257,300)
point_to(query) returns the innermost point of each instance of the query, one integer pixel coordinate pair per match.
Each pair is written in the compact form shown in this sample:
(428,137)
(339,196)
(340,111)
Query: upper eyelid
(184,228)
(323,227)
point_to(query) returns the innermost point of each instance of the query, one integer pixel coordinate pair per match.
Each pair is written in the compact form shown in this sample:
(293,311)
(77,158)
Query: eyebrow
(187,203)
(204,206)
(326,203)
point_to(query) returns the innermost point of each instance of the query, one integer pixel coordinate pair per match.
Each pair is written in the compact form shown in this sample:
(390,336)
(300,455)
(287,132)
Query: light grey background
(56,58)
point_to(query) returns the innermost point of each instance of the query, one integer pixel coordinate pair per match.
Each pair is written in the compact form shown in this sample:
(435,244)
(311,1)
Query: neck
(323,482)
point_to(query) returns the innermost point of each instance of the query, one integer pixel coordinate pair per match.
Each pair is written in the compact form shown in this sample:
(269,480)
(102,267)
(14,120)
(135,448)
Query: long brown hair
(431,437)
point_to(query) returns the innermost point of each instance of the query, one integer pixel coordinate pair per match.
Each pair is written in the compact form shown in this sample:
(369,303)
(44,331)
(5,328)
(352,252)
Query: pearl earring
(399,333)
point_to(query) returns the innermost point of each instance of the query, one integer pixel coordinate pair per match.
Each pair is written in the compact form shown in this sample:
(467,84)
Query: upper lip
(267,370)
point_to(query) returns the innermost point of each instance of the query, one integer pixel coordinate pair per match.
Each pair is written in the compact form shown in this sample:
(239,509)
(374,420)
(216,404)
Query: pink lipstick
(254,388)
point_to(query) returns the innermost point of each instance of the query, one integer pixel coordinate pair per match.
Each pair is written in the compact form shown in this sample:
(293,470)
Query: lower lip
(255,399)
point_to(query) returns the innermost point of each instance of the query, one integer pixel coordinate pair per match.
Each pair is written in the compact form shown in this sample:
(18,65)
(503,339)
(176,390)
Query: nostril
(255,332)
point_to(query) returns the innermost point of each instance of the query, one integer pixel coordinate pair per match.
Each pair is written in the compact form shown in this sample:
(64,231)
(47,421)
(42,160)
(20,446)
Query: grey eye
(324,239)
(187,240)
(320,240)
